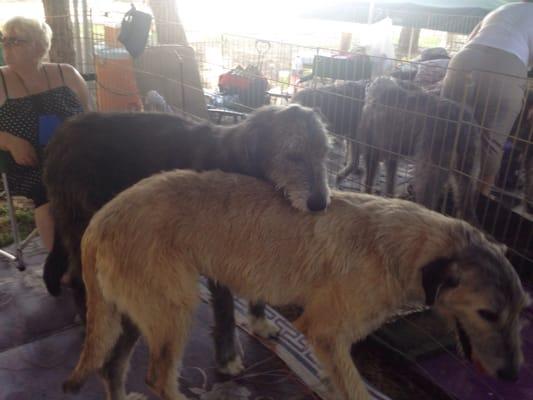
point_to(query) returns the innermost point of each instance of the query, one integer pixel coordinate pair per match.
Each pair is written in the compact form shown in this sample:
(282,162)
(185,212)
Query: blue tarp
(451,15)
(483,4)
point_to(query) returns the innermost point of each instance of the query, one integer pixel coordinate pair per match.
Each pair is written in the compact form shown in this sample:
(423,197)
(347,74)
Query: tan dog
(350,268)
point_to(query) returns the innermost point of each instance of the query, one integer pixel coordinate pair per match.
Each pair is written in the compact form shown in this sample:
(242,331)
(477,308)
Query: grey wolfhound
(94,157)
(525,144)
(341,105)
(399,119)
(346,267)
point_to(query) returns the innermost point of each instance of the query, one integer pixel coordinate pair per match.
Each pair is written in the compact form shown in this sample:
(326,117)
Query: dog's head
(479,292)
(290,146)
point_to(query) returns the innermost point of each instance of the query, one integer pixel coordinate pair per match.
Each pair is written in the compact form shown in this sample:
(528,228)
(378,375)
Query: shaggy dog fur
(341,105)
(399,119)
(94,157)
(525,143)
(347,268)
(518,162)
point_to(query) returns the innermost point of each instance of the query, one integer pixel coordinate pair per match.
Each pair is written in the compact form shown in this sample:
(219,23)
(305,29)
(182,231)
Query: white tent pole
(371,11)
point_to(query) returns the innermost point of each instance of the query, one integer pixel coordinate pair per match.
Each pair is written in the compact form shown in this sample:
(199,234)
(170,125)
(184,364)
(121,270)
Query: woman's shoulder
(65,69)
(68,69)
(71,75)
(64,74)
(74,80)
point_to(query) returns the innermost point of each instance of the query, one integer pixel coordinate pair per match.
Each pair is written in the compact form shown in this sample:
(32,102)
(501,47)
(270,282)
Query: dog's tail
(103,324)
(55,266)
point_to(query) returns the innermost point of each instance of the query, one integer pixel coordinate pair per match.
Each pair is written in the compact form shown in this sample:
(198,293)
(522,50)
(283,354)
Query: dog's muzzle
(317,202)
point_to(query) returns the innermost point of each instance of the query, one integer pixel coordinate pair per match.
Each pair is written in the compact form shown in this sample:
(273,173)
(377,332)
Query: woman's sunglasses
(12,41)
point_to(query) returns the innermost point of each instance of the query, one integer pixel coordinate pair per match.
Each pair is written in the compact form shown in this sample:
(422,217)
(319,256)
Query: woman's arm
(21,150)
(75,81)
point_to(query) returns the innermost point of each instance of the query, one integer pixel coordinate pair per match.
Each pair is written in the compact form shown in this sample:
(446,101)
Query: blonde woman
(490,74)
(35,97)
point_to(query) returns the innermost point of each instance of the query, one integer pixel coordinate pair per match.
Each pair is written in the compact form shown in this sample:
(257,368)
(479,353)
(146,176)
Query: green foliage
(25,223)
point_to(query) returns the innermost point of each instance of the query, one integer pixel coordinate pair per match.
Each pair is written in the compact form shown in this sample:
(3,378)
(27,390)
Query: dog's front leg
(372,165)
(351,162)
(229,362)
(392,167)
(334,354)
(332,351)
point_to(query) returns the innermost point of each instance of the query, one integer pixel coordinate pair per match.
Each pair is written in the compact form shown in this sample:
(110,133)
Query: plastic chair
(16,256)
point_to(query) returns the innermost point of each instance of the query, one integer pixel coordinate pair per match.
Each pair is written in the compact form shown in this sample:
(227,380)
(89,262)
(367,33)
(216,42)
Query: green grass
(26,224)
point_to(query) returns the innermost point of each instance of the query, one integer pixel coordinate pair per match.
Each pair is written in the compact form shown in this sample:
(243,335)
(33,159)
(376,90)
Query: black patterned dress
(20,117)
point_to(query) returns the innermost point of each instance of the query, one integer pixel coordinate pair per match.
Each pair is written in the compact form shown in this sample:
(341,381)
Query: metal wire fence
(400,126)
(336,83)
(236,74)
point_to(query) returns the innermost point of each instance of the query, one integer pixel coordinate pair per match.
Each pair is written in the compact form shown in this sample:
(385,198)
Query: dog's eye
(488,315)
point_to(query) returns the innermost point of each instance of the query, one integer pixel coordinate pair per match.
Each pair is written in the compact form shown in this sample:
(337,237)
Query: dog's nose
(508,374)
(317,203)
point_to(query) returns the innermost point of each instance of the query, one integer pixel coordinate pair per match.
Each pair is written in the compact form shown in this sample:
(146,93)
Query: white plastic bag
(378,44)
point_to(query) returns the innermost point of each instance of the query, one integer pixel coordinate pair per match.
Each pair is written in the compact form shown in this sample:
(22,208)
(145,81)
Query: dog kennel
(188,81)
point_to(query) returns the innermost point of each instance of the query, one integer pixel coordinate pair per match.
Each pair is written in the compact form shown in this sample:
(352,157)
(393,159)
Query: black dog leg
(55,266)
(229,362)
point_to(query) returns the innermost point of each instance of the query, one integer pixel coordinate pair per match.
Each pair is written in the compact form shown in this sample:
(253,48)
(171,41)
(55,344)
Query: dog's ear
(500,246)
(437,275)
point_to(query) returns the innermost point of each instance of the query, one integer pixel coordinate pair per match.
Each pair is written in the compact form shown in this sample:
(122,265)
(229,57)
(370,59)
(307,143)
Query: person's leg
(496,110)
(492,82)
(457,84)
(45,225)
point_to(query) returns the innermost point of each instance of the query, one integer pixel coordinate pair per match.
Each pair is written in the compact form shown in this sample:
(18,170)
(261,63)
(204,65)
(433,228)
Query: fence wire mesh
(384,115)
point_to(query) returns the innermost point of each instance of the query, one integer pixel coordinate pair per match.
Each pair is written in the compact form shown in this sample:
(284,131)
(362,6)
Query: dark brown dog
(94,157)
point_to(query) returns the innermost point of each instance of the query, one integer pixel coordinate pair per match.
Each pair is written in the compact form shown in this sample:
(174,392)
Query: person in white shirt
(490,74)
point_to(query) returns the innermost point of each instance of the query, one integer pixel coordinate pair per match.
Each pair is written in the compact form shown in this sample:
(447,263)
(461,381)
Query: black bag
(134,31)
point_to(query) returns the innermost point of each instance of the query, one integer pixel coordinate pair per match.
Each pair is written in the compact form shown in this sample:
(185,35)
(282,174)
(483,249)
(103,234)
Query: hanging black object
(134,31)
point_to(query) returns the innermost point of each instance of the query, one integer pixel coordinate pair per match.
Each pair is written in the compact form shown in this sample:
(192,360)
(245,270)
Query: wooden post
(408,43)
(58,17)
(167,22)
(346,42)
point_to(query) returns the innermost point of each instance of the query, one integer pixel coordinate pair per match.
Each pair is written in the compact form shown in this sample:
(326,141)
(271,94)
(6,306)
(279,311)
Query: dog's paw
(53,285)
(136,396)
(233,367)
(326,382)
(264,328)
